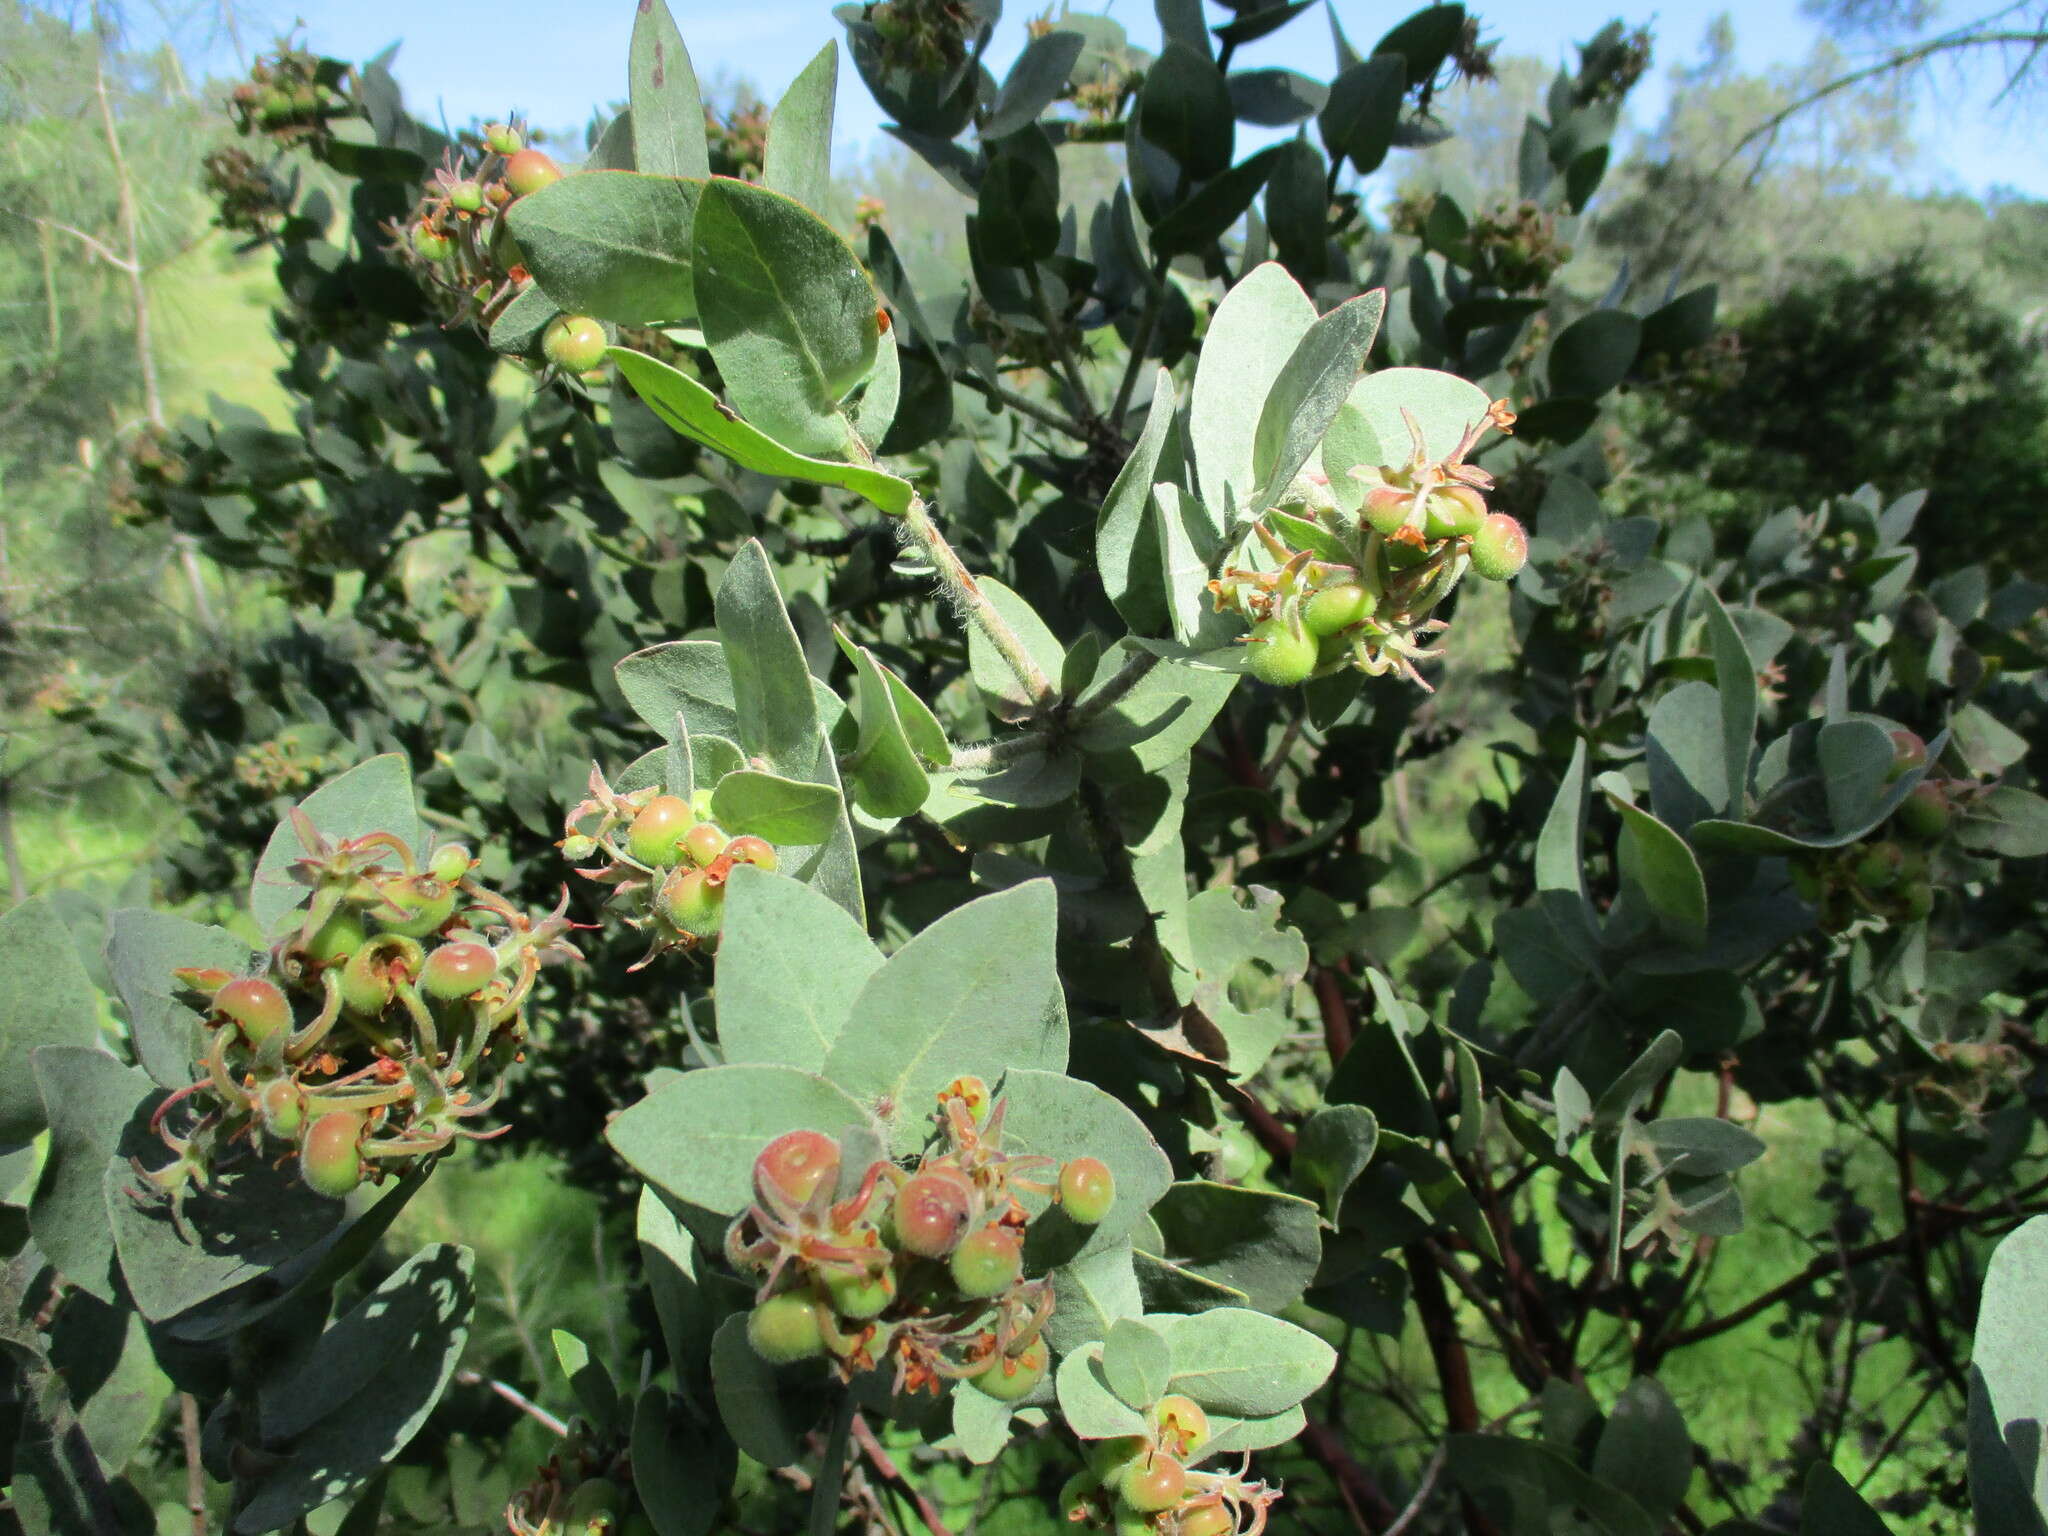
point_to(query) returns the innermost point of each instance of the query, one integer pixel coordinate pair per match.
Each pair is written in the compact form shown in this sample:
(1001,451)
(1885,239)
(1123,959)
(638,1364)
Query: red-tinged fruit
(1087,1190)
(931,1212)
(792,1166)
(693,902)
(431,243)
(1007,1378)
(574,343)
(529,170)
(459,970)
(331,1157)
(1279,653)
(988,1262)
(756,851)
(282,1104)
(1500,548)
(785,1329)
(656,834)
(1153,1483)
(1182,1426)
(704,842)
(425,902)
(1909,751)
(254,1005)
(1207,1520)
(1924,815)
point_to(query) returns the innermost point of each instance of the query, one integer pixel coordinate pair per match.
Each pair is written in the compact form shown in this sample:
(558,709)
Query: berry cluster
(664,857)
(1142,1485)
(1887,877)
(1361,592)
(457,235)
(288,97)
(921,1266)
(378,1027)
(924,37)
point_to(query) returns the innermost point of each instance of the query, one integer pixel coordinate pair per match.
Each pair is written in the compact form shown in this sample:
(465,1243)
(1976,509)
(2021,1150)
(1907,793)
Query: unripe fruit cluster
(1356,589)
(1145,1484)
(286,98)
(1888,876)
(375,1031)
(458,240)
(922,1267)
(665,859)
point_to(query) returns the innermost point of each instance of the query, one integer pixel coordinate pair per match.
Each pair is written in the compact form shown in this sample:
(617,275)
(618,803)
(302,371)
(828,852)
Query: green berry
(1006,1378)
(449,863)
(1924,815)
(370,979)
(1916,900)
(431,243)
(1386,508)
(331,1157)
(656,834)
(784,1329)
(1455,512)
(593,1508)
(931,1211)
(339,937)
(459,970)
(703,843)
(425,902)
(790,1168)
(529,170)
(1280,654)
(1908,751)
(753,850)
(466,197)
(1180,1423)
(1153,1483)
(574,343)
(1500,548)
(693,902)
(282,1106)
(1337,607)
(503,139)
(1207,1520)
(1880,866)
(254,1005)
(1087,1190)
(988,1262)
(860,1295)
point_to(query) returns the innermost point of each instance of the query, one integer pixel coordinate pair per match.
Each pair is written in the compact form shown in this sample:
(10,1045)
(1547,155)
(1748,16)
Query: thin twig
(921,531)
(892,1475)
(195,1467)
(516,1398)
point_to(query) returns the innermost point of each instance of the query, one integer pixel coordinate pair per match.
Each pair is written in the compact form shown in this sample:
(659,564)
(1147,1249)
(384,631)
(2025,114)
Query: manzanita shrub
(980,741)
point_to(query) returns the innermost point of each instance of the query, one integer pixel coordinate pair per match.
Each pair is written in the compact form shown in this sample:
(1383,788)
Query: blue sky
(553,58)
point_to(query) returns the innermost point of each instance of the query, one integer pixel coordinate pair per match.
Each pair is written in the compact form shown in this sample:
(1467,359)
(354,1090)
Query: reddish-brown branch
(1453,1364)
(1335,1007)
(886,1469)
(1374,1509)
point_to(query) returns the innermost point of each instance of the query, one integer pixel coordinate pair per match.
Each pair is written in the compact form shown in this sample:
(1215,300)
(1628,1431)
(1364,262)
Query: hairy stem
(920,530)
